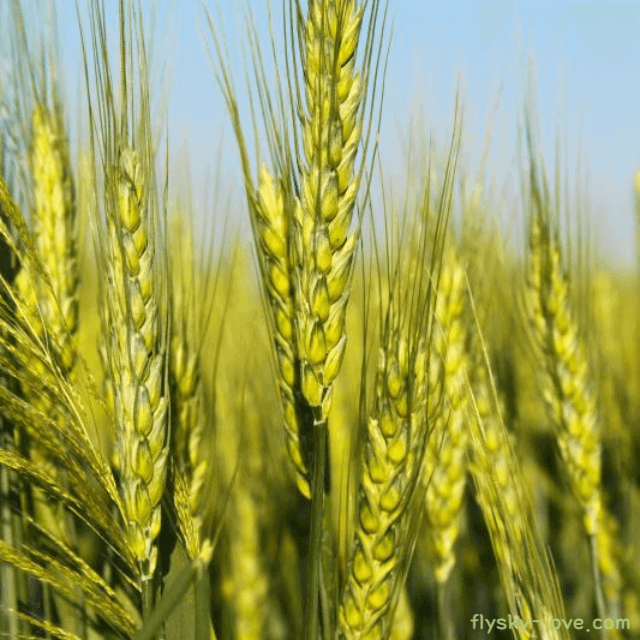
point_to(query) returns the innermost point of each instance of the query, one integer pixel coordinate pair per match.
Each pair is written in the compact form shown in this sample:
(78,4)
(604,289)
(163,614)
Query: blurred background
(586,57)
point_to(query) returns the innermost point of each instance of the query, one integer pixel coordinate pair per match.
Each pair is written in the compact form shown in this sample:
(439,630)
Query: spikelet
(445,458)
(136,356)
(388,460)
(323,246)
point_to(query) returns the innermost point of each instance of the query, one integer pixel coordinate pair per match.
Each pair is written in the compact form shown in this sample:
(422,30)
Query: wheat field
(371,417)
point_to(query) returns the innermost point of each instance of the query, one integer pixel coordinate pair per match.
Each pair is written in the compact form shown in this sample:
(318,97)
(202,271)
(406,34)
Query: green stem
(9,591)
(597,582)
(82,624)
(443,622)
(172,595)
(46,606)
(147,598)
(20,523)
(317,514)
(328,579)
(204,628)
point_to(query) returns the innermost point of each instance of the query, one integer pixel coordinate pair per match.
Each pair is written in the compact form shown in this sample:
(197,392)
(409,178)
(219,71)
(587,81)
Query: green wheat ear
(398,431)
(274,231)
(322,244)
(137,360)
(82,484)
(565,374)
(389,456)
(445,465)
(302,208)
(128,220)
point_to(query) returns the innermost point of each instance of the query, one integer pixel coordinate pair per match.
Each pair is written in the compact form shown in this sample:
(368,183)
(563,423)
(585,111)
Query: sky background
(587,63)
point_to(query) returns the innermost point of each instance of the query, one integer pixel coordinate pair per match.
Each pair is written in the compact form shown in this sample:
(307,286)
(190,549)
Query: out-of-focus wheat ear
(528,579)
(52,303)
(50,299)
(83,483)
(137,355)
(55,231)
(247,586)
(190,413)
(566,383)
(631,608)
(189,428)
(54,222)
(610,560)
(445,459)
(323,243)
(389,457)
(567,389)
(403,625)
(495,455)
(273,231)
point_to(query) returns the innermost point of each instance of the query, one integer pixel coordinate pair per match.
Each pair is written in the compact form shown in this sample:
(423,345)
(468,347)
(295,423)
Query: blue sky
(587,60)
